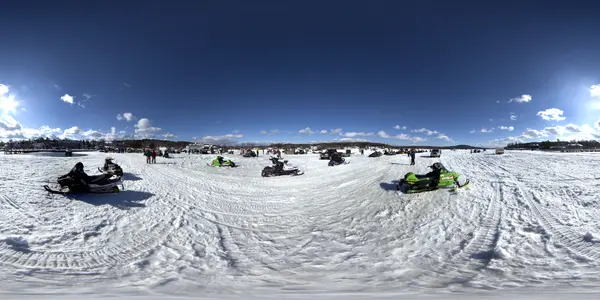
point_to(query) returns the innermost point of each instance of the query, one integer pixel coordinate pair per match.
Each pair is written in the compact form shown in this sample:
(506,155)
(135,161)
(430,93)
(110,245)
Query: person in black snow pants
(412,157)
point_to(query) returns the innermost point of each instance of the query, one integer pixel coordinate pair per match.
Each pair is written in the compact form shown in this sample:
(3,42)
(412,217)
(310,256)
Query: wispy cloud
(228,139)
(335,131)
(271,132)
(355,134)
(513,116)
(521,99)
(398,127)
(551,114)
(306,130)
(509,128)
(426,131)
(487,130)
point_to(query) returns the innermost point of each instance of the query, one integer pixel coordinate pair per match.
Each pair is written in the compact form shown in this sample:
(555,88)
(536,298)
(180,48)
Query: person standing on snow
(412,156)
(147,154)
(153,156)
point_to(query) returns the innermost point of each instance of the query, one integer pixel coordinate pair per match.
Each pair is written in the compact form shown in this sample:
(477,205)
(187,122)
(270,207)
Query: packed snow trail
(181,226)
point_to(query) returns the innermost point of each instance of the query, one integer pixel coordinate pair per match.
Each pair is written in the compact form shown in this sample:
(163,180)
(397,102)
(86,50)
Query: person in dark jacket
(77,173)
(412,156)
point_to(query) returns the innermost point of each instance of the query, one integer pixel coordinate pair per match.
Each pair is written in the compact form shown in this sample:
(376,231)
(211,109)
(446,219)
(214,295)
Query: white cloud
(306,130)
(551,114)
(443,137)
(383,134)
(487,130)
(264,132)
(228,139)
(597,125)
(324,131)
(473,131)
(595,91)
(3,89)
(426,131)
(401,136)
(67,98)
(355,134)
(418,139)
(509,128)
(169,136)
(336,131)
(8,123)
(126,116)
(522,99)
(144,129)
(513,116)
(400,127)
(349,139)
(533,133)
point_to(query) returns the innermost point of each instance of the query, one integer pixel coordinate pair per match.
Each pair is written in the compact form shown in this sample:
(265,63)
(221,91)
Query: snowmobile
(166,155)
(375,154)
(438,178)
(77,181)
(111,167)
(327,154)
(249,153)
(221,162)
(388,152)
(280,168)
(337,159)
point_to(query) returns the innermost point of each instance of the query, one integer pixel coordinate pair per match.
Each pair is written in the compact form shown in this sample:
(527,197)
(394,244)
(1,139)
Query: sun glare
(8,105)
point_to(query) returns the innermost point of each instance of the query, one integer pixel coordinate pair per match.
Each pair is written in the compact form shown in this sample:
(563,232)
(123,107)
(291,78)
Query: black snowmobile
(387,152)
(111,167)
(249,153)
(375,154)
(280,168)
(336,159)
(327,154)
(439,177)
(77,181)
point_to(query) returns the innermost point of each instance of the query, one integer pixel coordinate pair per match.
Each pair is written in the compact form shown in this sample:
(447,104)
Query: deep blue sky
(227,70)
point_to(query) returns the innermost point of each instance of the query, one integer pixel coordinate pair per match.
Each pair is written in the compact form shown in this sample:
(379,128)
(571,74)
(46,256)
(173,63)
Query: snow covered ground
(527,225)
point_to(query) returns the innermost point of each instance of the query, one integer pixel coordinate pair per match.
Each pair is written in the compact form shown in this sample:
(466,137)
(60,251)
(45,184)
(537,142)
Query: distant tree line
(544,145)
(47,143)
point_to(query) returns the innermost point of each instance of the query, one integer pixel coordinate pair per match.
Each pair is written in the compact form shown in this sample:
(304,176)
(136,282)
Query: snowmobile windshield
(78,168)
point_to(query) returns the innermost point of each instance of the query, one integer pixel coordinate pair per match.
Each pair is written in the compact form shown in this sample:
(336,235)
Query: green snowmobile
(438,178)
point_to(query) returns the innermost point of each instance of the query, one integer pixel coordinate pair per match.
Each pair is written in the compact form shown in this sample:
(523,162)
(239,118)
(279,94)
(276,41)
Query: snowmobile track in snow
(566,236)
(478,251)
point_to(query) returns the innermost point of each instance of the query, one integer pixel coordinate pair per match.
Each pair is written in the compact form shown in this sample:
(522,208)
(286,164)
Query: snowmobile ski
(114,189)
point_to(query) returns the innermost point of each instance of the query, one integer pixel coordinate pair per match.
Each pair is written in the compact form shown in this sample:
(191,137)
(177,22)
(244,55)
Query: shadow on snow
(122,200)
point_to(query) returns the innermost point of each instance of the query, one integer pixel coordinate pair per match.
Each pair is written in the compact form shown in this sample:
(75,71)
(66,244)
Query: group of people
(150,156)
